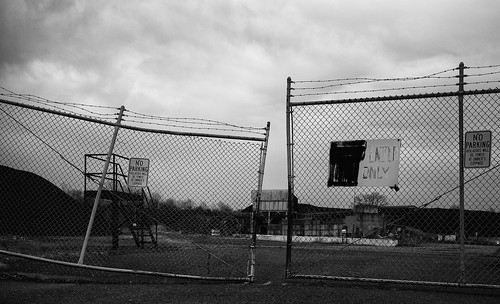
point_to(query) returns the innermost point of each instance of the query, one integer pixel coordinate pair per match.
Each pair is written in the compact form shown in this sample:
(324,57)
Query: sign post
(477,149)
(138,170)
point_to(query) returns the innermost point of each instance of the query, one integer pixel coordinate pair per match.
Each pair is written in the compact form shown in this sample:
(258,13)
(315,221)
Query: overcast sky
(229,60)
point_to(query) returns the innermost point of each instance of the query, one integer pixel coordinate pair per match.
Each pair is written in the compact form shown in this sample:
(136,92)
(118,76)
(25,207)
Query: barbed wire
(377,79)
(368,80)
(67,107)
(484,66)
(89,111)
(189,127)
(482,82)
(190,121)
(374,90)
(482,74)
(359,81)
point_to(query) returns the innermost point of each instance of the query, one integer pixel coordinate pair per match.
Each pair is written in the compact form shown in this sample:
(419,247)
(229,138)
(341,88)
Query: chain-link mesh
(412,234)
(191,220)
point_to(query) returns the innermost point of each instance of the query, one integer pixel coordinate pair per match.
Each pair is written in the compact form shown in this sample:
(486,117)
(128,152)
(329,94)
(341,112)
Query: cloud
(229,60)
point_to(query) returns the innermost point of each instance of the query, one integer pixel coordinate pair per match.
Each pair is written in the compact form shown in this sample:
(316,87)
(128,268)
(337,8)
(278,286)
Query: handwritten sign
(369,163)
(380,167)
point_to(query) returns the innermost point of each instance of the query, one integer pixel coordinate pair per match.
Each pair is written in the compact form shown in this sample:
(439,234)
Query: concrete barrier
(329,239)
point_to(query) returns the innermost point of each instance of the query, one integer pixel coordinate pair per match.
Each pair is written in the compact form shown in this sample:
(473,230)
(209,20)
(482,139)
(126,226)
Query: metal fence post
(101,183)
(461,157)
(256,206)
(290,178)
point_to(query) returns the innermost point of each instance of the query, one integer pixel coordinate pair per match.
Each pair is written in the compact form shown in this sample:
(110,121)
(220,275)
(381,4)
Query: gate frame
(118,125)
(291,176)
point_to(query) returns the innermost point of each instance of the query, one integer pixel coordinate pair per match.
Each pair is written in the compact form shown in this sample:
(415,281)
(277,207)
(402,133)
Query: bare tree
(370,199)
(224,207)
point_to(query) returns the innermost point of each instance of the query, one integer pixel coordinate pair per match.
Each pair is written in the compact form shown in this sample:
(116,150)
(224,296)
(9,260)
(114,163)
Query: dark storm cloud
(228,60)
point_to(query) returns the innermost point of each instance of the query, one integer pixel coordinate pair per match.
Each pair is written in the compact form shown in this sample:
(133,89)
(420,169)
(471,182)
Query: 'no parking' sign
(477,149)
(138,170)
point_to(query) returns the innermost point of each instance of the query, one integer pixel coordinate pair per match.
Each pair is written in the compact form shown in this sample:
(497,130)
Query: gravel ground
(270,286)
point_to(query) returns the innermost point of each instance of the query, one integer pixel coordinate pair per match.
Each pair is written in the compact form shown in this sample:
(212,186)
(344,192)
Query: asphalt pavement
(13,291)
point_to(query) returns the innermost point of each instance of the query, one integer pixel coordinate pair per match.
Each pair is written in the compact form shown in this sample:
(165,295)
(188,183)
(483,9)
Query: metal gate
(94,188)
(402,188)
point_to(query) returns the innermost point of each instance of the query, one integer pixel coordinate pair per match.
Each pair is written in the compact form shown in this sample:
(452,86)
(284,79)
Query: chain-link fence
(424,228)
(171,203)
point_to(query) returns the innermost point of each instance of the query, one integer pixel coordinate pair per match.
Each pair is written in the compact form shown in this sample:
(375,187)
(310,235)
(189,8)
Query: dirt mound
(31,205)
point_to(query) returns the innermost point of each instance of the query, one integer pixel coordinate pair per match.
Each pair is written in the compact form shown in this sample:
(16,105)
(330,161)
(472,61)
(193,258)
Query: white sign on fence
(364,163)
(477,149)
(380,167)
(138,170)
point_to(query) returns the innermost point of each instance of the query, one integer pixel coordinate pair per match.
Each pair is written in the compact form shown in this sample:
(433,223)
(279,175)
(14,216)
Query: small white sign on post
(138,170)
(477,149)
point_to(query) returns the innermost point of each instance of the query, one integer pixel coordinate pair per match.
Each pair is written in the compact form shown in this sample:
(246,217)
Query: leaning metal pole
(256,206)
(101,183)
(461,156)
(289,147)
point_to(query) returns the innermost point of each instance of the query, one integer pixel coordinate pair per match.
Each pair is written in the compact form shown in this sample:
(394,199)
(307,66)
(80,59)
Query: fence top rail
(393,97)
(109,123)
